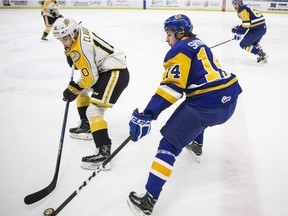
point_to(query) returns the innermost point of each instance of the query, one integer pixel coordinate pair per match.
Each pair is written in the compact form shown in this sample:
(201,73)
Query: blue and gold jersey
(251,19)
(193,70)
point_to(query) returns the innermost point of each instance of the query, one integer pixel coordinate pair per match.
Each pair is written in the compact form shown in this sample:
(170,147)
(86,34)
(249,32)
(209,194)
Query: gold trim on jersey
(110,86)
(202,91)
(168,96)
(258,24)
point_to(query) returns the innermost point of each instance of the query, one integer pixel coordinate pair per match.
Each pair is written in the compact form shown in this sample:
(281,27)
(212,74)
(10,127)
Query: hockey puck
(49,212)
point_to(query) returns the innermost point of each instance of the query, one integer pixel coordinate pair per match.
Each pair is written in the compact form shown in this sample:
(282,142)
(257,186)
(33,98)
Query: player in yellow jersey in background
(104,76)
(253,27)
(50,12)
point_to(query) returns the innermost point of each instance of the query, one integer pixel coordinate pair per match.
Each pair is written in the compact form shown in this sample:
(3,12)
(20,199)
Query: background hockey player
(253,22)
(50,12)
(104,76)
(190,68)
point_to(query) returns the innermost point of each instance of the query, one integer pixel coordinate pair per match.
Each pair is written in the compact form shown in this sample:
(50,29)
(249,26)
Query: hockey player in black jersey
(253,28)
(190,69)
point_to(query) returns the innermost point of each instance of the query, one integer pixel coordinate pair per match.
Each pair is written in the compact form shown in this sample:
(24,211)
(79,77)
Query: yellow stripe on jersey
(111,85)
(161,169)
(97,123)
(201,91)
(246,25)
(260,23)
(167,93)
(82,63)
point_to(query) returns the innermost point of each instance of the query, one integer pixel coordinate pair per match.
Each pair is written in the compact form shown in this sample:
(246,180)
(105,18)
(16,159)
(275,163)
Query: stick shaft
(35,197)
(221,43)
(115,152)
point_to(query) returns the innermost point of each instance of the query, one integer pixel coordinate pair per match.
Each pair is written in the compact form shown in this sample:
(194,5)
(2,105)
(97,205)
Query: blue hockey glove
(71,92)
(237,37)
(235,29)
(140,125)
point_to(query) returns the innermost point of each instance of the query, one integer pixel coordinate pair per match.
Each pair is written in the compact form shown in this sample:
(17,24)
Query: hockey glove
(140,125)
(71,92)
(237,37)
(235,29)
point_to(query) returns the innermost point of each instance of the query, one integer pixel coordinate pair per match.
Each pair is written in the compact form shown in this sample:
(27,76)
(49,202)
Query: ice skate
(93,161)
(44,39)
(82,131)
(262,56)
(141,205)
(195,149)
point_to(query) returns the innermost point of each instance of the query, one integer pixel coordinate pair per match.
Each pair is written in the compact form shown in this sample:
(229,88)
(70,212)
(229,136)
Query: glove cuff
(142,116)
(74,88)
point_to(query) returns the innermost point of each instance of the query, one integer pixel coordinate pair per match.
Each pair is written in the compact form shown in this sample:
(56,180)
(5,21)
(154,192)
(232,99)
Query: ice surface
(244,168)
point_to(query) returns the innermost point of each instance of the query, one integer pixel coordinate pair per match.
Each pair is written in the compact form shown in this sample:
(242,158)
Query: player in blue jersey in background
(190,69)
(253,22)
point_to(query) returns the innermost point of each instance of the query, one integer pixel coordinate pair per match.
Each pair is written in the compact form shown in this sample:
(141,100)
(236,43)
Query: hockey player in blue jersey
(190,69)
(253,22)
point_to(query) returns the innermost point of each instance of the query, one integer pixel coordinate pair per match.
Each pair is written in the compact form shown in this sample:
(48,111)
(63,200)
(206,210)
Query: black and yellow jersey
(50,8)
(92,55)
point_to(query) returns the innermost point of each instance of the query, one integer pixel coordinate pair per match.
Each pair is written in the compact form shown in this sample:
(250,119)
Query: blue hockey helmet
(237,1)
(178,24)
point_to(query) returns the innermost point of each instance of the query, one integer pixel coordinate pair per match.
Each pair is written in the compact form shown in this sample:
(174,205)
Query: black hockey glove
(235,29)
(71,92)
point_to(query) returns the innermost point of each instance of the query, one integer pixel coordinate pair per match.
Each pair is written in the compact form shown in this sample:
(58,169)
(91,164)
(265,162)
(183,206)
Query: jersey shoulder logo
(75,56)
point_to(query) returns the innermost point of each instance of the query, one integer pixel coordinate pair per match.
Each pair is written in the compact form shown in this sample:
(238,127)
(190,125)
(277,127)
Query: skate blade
(264,60)
(90,166)
(136,211)
(194,156)
(44,41)
(81,136)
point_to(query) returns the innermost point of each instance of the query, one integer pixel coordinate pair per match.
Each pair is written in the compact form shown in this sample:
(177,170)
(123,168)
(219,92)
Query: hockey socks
(161,168)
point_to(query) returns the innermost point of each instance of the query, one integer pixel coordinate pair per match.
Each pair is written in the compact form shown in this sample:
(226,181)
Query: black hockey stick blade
(114,153)
(32,198)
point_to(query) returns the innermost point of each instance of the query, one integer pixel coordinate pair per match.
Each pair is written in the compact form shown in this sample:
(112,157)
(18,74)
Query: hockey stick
(52,212)
(34,197)
(222,43)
